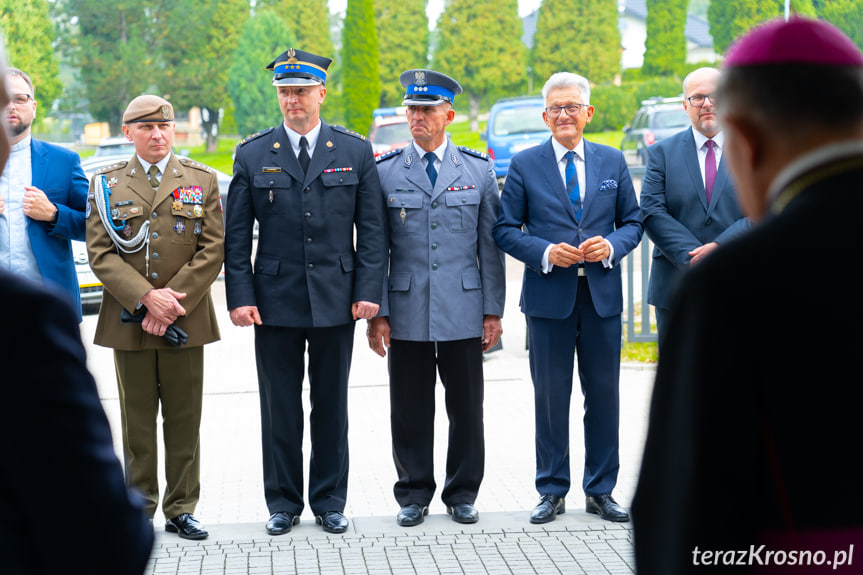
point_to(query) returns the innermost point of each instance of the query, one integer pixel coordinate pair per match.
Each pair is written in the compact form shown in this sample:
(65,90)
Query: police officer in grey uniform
(443,300)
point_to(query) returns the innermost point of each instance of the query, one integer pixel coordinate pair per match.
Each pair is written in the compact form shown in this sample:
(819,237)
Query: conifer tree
(479,44)
(665,46)
(361,84)
(402,43)
(263,37)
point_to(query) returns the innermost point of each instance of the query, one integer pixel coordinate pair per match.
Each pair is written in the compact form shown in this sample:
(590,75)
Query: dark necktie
(430,169)
(572,189)
(153,171)
(709,170)
(304,154)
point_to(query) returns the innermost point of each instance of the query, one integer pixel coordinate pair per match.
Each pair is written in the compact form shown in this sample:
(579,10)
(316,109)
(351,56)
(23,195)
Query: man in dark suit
(753,413)
(569,212)
(443,302)
(69,448)
(43,198)
(310,186)
(687,197)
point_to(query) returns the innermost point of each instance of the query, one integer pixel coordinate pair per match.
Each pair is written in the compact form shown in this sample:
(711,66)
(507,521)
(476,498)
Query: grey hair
(567,80)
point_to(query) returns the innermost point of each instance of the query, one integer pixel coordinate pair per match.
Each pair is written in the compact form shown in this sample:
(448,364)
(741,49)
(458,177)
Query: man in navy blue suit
(43,198)
(687,196)
(569,212)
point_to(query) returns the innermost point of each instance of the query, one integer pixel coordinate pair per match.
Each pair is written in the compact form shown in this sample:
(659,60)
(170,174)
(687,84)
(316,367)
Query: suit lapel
(450,169)
(592,168)
(138,181)
(171,180)
(690,158)
(283,155)
(416,174)
(38,163)
(322,156)
(553,181)
(722,185)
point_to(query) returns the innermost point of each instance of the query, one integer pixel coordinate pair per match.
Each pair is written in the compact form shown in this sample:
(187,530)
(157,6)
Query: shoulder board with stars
(344,130)
(248,139)
(388,155)
(473,152)
(112,167)
(190,163)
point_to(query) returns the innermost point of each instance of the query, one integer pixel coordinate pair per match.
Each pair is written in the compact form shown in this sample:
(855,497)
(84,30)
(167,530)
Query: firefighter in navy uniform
(310,186)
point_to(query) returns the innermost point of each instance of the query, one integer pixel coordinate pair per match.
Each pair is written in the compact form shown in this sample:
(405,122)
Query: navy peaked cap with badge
(148,108)
(428,88)
(297,68)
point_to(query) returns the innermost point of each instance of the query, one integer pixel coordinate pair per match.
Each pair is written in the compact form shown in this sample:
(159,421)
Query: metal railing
(637,320)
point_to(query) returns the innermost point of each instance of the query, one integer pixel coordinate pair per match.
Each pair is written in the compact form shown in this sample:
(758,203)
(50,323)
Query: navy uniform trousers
(413,367)
(280,358)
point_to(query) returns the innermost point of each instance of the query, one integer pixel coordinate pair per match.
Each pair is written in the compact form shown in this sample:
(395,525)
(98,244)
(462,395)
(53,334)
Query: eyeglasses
(698,100)
(571,110)
(21,99)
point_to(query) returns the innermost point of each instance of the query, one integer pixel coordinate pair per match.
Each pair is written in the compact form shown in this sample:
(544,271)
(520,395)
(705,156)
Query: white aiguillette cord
(129,246)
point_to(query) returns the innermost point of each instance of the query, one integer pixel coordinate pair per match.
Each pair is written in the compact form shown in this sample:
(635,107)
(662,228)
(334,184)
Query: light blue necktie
(572,183)
(430,169)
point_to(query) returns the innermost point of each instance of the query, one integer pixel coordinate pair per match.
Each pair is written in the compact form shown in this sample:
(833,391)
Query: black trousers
(280,358)
(413,368)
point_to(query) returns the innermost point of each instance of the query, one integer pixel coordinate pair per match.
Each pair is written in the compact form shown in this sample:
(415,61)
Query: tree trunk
(210,125)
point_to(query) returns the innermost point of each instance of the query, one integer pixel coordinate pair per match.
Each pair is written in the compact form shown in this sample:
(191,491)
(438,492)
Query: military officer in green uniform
(156,241)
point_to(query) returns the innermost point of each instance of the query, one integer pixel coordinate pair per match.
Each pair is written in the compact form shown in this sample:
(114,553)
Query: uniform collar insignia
(409,158)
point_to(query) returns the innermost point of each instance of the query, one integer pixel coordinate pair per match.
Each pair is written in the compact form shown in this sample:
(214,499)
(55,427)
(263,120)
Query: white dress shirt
(16,253)
(311,138)
(560,156)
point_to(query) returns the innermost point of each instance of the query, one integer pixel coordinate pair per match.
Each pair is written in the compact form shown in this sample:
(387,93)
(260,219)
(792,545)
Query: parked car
(115,146)
(657,119)
(88,283)
(514,124)
(389,130)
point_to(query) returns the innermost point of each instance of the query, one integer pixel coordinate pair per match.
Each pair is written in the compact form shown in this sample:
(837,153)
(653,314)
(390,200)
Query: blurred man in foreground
(754,410)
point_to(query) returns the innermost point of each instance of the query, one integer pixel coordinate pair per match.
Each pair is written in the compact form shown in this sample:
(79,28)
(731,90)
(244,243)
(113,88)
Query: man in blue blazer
(569,212)
(687,196)
(43,198)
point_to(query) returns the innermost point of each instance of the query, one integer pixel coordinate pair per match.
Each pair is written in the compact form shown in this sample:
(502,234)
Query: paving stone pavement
(232,506)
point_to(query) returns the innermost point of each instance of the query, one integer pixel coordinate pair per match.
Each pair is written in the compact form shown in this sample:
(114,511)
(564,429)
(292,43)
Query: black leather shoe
(463,513)
(606,507)
(333,522)
(412,514)
(281,522)
(550,506)
(187,527)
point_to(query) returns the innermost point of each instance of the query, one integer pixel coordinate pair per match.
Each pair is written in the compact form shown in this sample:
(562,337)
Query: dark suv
(657,119)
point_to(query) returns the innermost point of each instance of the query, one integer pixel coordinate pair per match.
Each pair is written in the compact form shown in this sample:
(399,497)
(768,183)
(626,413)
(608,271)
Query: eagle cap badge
(420,78)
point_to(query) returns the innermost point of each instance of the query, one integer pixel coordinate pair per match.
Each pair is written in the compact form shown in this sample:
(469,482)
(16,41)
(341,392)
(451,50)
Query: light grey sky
(435,7)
